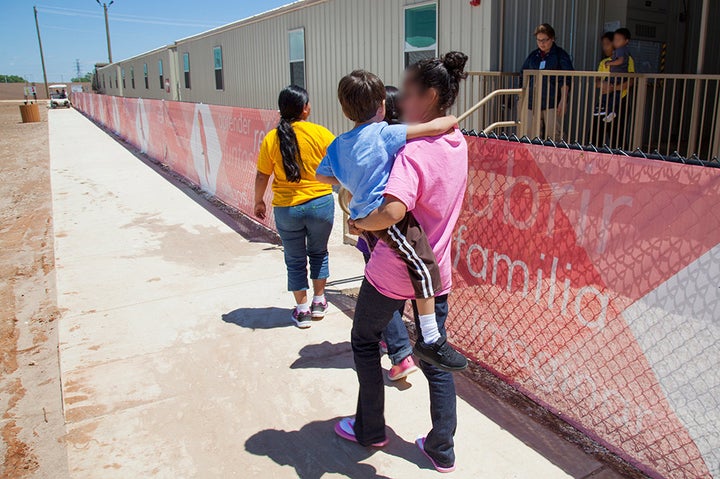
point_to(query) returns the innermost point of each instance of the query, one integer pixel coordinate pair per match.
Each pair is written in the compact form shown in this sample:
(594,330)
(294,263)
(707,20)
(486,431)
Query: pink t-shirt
(430,178)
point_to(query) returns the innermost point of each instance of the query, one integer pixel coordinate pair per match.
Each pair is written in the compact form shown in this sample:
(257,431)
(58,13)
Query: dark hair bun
(454,63)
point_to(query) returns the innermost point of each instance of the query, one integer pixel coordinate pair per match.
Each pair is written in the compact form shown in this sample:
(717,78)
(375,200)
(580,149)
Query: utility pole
(107,27)
(42,56)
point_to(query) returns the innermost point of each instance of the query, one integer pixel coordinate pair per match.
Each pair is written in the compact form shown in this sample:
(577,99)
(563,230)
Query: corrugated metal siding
(340,35)
(578,25)
(153,91)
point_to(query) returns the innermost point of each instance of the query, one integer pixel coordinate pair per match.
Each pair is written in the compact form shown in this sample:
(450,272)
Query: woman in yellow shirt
(304,208)
(605,87)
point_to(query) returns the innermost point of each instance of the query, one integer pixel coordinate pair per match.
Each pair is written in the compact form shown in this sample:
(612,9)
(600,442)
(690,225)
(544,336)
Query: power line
(128,18)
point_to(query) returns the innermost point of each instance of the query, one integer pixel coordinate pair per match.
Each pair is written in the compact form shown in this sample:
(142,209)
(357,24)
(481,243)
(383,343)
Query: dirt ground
(31,422)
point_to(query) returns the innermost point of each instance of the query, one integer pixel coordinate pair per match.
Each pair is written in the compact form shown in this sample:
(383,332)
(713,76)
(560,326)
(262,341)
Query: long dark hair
(443,74)
(392,105)
(291,102)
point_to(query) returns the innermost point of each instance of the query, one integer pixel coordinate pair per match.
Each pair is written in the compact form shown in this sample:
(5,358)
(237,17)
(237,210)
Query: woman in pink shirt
(429,178)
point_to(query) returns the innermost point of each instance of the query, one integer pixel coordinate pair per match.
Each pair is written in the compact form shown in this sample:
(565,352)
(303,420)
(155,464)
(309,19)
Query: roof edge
(275,12)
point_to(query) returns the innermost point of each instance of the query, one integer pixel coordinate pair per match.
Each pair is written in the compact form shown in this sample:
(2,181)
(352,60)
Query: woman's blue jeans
(373,312)
(305,230)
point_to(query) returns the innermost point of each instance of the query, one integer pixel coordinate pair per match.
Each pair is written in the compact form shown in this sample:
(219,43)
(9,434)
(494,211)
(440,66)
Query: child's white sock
(429,328)
(319,299)
(303,308)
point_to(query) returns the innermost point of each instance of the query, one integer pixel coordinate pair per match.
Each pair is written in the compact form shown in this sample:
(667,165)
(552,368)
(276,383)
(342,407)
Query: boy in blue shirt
(361,160)
(617,64)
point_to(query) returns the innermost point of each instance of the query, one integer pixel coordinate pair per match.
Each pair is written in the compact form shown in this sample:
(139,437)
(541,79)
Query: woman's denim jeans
(304,230)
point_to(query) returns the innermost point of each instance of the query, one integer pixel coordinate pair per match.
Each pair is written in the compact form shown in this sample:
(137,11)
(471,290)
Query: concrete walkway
(178,358)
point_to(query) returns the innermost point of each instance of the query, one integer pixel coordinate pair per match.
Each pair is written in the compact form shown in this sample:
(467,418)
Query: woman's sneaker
(318,310)
(345,428)
(441,354)
(302,319)
(402,369)
(439,468)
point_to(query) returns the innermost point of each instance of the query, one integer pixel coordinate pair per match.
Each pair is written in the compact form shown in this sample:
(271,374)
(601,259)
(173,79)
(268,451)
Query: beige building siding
(153,91)
(340,35)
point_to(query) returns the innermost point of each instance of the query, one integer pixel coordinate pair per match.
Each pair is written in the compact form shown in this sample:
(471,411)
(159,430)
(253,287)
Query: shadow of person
(327,355)
(315,450)
(259,318)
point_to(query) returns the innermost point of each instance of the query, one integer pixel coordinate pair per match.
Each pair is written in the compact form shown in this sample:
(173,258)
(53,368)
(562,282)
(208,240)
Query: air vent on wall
(644,30)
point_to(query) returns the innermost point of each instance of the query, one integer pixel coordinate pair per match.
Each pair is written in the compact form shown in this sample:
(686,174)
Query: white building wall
(154,90)
(340,35)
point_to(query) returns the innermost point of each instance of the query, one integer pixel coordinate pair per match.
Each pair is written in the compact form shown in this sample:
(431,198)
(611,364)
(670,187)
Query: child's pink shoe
(383,347)
(403,369)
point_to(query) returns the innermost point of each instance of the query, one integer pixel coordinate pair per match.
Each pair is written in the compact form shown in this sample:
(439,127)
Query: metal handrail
(500,124)
(487,98)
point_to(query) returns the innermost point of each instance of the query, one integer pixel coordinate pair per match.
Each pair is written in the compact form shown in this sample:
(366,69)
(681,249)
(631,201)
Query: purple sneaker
(302,319)
(318,310)
(421,444)
(345,428)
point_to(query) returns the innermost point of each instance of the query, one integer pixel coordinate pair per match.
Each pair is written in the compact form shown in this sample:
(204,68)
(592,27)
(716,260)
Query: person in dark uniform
(554,94)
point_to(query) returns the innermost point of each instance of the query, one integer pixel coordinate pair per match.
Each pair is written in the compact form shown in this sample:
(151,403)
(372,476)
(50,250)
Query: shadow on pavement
(260,318)
(325,355)
(315,450)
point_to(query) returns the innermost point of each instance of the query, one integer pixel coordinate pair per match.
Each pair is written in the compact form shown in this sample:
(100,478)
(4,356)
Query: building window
(145,72)
(104,81)
(420,33)
(132,77)
(297,57)
(218,63)
(123,77)
(117,80)
(160,74)
(186,69)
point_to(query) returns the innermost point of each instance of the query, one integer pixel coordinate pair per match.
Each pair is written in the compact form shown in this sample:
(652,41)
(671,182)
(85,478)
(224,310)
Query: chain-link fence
(590,282)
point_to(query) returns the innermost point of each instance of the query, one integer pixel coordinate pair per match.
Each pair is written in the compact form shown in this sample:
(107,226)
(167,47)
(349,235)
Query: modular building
(313,43)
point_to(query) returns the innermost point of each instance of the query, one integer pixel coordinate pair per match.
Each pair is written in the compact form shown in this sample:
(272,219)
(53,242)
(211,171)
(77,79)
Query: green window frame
(218,67)
(186,69)
(296,41)
(420,38)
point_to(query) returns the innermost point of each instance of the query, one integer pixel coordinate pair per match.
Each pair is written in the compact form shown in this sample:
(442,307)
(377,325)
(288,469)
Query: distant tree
(11,79)
(87,78)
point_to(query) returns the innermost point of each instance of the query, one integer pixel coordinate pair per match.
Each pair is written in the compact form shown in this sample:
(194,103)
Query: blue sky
(75,29)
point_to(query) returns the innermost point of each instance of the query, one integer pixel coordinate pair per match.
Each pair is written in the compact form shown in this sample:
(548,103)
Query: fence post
(524,114)
(715,147)
(537,103)
(695,119)
(640,100)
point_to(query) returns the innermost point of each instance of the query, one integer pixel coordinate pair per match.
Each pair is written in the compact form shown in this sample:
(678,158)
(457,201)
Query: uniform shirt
(602,67)
(555,59)
(429,177)
(361,160)
(313,141)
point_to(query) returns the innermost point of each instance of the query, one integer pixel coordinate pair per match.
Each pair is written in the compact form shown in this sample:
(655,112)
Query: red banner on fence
(567,267)
(214,147)
(587,280)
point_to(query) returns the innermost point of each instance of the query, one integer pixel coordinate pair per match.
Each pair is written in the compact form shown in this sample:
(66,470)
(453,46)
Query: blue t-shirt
(624,53)
(361,160)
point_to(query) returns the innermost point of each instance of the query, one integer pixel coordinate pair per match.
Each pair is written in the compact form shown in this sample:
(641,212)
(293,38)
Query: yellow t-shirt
(604,68)
(313,141)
